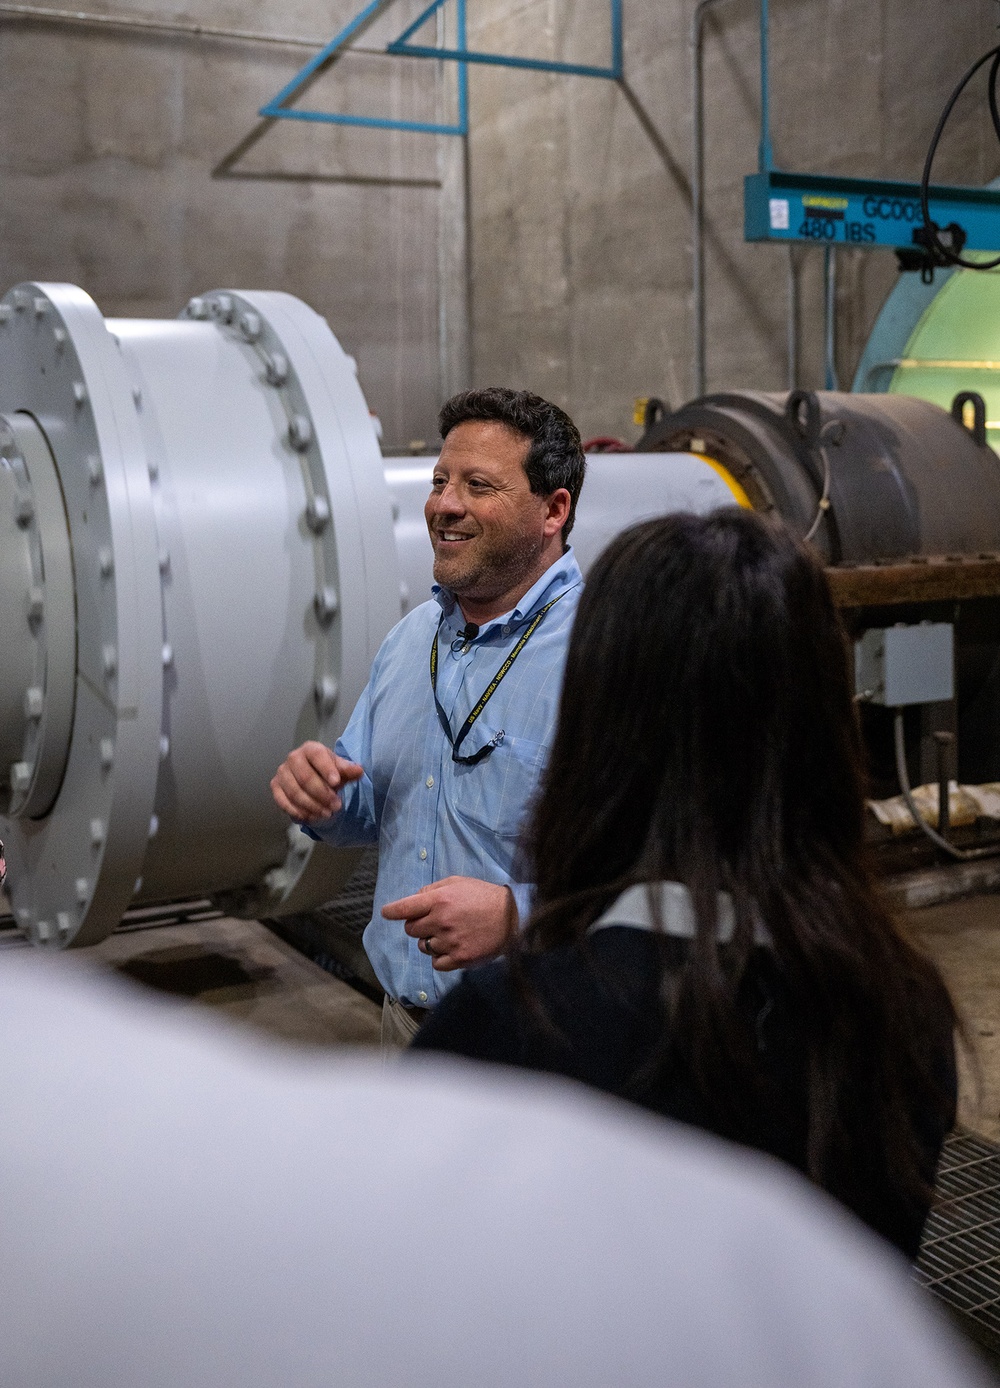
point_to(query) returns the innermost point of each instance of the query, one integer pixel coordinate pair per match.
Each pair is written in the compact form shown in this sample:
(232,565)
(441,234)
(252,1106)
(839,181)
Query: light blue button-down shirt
(430,816)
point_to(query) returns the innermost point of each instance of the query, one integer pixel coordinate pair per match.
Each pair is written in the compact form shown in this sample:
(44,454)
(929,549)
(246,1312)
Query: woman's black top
(592,1012)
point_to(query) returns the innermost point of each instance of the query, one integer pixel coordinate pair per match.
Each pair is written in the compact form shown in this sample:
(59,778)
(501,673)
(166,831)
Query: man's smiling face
(488,528)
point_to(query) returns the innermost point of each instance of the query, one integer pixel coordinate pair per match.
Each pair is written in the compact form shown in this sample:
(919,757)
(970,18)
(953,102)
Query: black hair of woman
(708,735)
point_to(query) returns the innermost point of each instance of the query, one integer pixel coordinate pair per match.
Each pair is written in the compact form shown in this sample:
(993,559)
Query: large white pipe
(201,549)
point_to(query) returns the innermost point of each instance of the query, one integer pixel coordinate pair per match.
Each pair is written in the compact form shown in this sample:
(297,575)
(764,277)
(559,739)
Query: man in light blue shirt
(443,752)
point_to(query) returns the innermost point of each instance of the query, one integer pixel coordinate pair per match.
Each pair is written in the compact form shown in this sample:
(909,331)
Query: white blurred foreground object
(179,1206)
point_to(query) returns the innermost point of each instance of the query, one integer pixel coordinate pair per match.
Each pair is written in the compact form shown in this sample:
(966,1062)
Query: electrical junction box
(906,664)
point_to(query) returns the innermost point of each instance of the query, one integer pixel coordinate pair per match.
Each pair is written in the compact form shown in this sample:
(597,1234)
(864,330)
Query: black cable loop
(930,230)
(992,91)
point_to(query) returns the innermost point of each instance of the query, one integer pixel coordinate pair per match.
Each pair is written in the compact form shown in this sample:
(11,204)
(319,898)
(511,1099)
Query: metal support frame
(461,54)
(276,108)
(401,47)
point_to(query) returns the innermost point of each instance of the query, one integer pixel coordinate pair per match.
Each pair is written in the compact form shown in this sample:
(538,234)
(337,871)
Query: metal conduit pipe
(830,378)
(698,191)
(201,548)
(140,24)
(963,855)
(792,342)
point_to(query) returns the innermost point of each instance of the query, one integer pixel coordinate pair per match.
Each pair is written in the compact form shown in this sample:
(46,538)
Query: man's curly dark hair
(556,457)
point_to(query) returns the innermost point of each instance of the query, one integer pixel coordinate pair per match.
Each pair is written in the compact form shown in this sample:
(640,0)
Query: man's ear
(557,511)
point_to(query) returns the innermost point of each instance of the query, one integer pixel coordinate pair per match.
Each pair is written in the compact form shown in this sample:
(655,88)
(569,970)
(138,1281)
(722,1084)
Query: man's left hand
(457,921)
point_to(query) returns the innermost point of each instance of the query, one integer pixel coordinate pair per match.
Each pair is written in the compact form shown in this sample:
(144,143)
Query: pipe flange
(288,347)
(49,612)
(245,324)
(72,870)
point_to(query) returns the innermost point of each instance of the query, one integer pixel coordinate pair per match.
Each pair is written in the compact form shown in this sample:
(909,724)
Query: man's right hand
(306,783)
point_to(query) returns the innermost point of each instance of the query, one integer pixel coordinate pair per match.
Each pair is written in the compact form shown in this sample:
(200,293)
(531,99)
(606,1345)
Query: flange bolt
(326,604)
(318,513)
(20,776)
(300,433)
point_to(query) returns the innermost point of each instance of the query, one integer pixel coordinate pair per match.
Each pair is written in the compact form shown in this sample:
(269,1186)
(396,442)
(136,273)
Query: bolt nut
(94,470)
(20,776)
(81,889)
(276,370)
(318,513)
(154,826)
(5,312)
(196,308)
(276,881)
(250,326)
(167,655)
(24,511)
(41,307)
(107,753)
(97,832)
(64,922)
(326,603)
(59,337)
(300,432)
(34,702)
(164,560)
(109,659)
(43,931)
(221,308)
(164,746)
(325,692)
(79,392)
(106,561)
(36,604)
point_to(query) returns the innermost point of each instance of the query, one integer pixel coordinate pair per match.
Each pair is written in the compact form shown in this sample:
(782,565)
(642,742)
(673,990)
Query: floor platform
(960,1253)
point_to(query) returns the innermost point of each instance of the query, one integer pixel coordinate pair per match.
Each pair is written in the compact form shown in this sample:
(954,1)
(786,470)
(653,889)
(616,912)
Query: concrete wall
(133,164)
(581,192)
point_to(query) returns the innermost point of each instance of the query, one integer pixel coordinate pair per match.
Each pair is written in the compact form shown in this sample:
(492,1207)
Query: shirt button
(422,997)
(506,631)
(429,782)
(423,854)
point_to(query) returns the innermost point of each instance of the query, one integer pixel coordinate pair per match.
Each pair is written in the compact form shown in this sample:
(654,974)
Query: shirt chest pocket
(494,796)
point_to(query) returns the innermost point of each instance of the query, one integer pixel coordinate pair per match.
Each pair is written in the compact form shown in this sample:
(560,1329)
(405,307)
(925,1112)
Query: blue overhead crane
(830,210)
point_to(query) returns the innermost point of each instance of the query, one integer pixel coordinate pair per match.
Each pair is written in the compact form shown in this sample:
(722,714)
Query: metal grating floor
(960,1253)
(331,934)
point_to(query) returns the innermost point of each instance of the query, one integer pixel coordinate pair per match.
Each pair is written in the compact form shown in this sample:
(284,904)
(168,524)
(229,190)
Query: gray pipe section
(201,549)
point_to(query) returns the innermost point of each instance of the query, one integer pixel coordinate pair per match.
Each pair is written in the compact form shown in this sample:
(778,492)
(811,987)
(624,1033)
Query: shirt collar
(676,913)
(557,579)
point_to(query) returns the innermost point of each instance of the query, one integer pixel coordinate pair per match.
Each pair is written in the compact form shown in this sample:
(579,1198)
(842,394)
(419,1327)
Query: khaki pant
(400,1024)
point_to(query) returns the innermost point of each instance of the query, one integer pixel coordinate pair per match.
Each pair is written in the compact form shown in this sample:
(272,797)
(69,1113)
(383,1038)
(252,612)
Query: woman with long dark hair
(707,939)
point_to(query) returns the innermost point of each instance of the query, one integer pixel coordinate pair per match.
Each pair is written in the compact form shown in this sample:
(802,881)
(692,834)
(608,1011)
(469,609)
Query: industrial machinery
(201,548)
(902,499)
(198,562)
